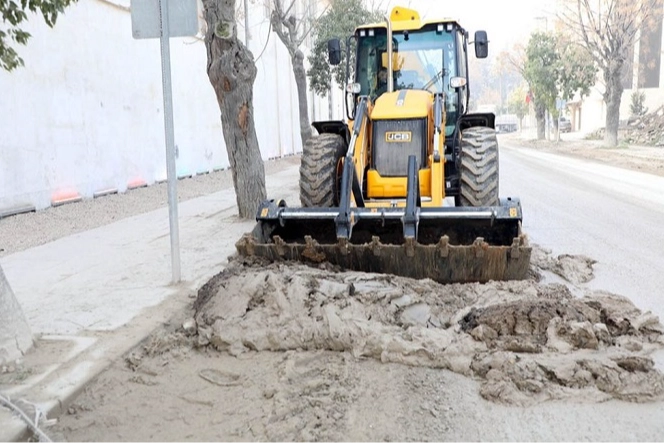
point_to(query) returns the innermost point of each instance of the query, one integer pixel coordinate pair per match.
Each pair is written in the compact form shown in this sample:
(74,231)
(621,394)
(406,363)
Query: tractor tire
(318,170)
(478,168)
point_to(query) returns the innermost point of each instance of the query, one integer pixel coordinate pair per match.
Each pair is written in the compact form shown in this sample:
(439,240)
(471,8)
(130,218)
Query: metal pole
(246,23)
(170,140)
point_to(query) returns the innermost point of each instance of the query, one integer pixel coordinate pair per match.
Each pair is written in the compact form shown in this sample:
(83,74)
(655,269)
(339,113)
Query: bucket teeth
(246,245)
(280,245)
(375,246)
(480,246)
(514,251)
(444,246)
(312,250)
(409,244)
(342,245)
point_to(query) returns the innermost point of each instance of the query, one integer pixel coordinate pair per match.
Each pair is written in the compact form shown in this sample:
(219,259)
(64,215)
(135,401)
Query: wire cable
(269,33)
(34,426)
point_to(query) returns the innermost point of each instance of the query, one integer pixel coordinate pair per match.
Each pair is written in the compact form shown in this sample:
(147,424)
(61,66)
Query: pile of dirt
(525,340)
(644,130)
(647,129)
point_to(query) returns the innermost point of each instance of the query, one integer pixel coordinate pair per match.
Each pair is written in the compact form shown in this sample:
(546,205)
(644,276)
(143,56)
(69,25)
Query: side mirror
(458,82)
(481,44)
(334,51)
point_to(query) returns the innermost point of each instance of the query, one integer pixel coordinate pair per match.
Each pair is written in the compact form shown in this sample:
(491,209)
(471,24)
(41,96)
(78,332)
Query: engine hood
(403,104)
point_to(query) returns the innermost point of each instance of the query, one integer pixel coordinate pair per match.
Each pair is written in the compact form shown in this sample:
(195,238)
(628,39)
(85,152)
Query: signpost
(164,19)
(560,105)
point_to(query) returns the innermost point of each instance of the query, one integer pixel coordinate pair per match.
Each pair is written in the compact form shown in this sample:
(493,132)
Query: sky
(506,21)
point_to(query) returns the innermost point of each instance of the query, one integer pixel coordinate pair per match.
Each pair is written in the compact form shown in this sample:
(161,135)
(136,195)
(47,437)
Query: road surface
(612,215)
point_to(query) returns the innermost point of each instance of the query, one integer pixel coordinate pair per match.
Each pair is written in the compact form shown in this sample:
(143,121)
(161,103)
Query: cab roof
(403,19)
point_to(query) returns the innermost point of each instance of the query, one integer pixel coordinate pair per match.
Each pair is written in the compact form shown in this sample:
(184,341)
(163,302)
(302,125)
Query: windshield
(418,62)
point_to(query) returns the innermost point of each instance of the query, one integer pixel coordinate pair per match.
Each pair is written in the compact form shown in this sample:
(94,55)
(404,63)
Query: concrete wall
(86,111)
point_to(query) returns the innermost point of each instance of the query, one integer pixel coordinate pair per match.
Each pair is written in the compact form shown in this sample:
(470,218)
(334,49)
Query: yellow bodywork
(402,104)
(390,191)
(406,19)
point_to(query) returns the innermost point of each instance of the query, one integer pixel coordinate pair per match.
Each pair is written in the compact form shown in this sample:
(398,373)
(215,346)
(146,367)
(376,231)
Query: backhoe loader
(376,190)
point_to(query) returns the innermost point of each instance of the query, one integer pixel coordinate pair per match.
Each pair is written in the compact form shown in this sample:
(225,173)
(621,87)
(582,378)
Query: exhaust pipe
(390,68)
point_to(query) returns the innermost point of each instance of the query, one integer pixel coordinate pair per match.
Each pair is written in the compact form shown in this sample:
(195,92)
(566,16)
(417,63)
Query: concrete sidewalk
(91,297)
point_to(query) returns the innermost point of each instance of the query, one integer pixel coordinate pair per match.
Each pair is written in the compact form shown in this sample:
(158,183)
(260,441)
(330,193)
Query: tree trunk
(15,335)
(612,98)
(232,72)
(540,112)
(301,82)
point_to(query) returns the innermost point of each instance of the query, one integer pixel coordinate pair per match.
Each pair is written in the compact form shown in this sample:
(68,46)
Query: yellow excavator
(374,188)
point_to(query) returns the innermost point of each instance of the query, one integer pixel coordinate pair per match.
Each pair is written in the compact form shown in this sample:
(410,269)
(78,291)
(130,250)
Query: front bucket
(441,261)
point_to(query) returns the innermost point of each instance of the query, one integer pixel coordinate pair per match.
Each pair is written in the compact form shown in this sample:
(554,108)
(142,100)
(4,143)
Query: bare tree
(231,70)
(292,32)
(609,29)
(15,335)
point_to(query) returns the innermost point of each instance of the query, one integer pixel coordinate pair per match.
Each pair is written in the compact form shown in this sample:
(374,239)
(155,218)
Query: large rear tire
(318,170)
(479,168)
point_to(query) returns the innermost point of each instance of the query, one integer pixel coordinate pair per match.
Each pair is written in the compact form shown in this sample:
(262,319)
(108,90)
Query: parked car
(564,125)
(507,123)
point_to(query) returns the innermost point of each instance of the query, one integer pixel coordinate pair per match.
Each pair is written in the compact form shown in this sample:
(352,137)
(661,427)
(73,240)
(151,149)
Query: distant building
(643,72)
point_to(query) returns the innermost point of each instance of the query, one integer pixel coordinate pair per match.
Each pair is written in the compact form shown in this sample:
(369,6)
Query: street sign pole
(164,19)
(170,140)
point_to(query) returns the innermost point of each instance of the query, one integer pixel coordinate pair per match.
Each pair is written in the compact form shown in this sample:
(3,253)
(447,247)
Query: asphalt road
(612,215)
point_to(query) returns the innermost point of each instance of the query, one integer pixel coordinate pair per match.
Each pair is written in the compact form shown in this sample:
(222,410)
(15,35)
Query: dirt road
(281,353)
(329,396)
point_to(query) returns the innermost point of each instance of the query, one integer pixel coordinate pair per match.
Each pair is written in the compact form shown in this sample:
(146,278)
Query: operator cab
(425,56)
(412,77)
(424,59)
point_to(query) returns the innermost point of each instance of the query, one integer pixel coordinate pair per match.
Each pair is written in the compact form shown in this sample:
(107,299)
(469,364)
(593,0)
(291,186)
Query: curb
(105,192)
(15,210)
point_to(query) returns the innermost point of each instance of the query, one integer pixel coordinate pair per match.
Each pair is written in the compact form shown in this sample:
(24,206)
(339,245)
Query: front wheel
(318,170)
(479,168)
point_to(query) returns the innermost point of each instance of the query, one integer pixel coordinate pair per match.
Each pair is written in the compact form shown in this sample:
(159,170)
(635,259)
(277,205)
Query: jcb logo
(398,136)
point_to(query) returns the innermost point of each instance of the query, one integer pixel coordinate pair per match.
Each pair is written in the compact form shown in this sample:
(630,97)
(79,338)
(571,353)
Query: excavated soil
(526,341)
(286,352)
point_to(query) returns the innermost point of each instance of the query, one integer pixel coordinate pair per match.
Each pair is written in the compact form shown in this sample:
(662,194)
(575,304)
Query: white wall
(86,111)
(593,111)
(654,99)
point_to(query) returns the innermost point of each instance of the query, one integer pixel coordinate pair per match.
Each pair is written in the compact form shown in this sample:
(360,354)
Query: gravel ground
(24,231)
